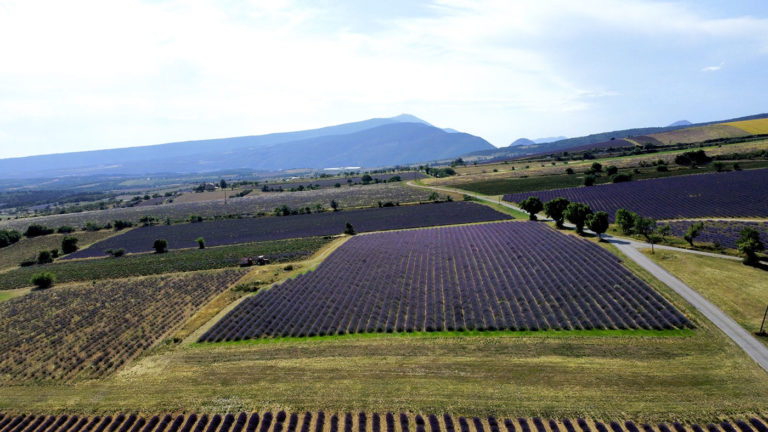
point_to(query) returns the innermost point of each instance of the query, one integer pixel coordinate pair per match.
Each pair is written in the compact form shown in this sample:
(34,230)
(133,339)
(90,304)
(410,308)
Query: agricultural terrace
(348,422)
(528,175)
(90,330)
(233,231)
(277,251)
(500,276)
(28,248)
(718,232)
(728,194)
(341,181)
(346,197)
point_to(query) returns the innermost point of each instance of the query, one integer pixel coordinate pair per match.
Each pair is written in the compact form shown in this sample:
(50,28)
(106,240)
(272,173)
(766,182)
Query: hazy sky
(78,75)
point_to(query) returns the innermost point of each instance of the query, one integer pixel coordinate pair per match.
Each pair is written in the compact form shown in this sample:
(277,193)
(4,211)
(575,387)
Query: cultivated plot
(89,330)
(722,232)
(348,422)
(500,276)
(233,231)
(728,194)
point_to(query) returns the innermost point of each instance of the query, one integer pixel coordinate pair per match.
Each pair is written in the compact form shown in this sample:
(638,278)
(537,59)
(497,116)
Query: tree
(223,184)
(749,244)
(555,209)
(532,205)
(623,177)
(42,280)
(644,227)
(434,196)
(596,167)
(44,257)
(68,245)
(664,231)
(589,180)
(598,223)
(625,219)
(719,166)
(349,230)
(611,170)
(334,205)
(200,242)
(577,214)
(693,232)
(393,179)
(65,229)
(160,246)
(569,171)
(366,178)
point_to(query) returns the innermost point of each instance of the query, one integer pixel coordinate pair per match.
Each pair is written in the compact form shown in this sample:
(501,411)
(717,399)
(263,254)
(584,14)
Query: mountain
(581,142)
(549,139)
(680,123)
(521,141)
(370,143)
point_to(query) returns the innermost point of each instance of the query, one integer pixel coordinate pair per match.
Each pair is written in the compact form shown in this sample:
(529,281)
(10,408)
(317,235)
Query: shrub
(68,245)
(692,158)
(589,180)
(36,230)
(42,280)
(121,224)
(200,242)
(195,218)
(9,237)
(619,178)
(29,262)
(44,257)
(349,230)
(160,246)
(611,170)
(569,171)
(662,168)
(65,229)
(115,252)
(54,253)
(693,232)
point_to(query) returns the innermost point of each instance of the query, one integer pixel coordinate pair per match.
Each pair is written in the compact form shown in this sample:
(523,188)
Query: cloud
(712,68)
(93,74)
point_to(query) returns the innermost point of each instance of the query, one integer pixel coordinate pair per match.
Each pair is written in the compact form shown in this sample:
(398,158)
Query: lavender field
(349,422)
(722,232)
(343,181)
(499,276)
(346,197)
(728,194)
(234,231)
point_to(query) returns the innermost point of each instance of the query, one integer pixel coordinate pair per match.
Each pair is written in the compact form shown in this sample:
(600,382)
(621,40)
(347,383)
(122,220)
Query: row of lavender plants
(233,231)
(728,194)
(361,422)
(498,276)
(719,232)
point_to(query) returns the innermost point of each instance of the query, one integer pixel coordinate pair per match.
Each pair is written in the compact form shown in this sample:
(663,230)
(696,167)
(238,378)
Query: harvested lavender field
(232,231)
(500,276)
(346,197)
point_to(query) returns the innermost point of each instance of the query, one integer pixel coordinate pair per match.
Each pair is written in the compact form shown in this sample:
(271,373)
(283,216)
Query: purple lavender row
(728,194)
(249,423)
(498,276)
(233,231)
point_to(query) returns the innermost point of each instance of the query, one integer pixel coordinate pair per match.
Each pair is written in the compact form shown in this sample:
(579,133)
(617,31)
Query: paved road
(630,248)
(743,338)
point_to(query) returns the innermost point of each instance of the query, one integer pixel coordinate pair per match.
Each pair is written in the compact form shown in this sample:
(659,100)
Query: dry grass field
(11,256)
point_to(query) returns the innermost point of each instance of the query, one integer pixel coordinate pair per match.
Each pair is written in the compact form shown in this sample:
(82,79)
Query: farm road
(743,338)
(630,248)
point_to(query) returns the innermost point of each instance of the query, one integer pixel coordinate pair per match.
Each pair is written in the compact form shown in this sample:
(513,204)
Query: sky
(84,75)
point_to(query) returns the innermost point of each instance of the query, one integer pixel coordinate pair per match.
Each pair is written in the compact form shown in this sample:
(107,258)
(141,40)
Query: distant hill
(549,139)
(522,141)
(584,142)
(680,123)
(369,143)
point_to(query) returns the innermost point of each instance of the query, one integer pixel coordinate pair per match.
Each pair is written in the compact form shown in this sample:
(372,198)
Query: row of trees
(630,223)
